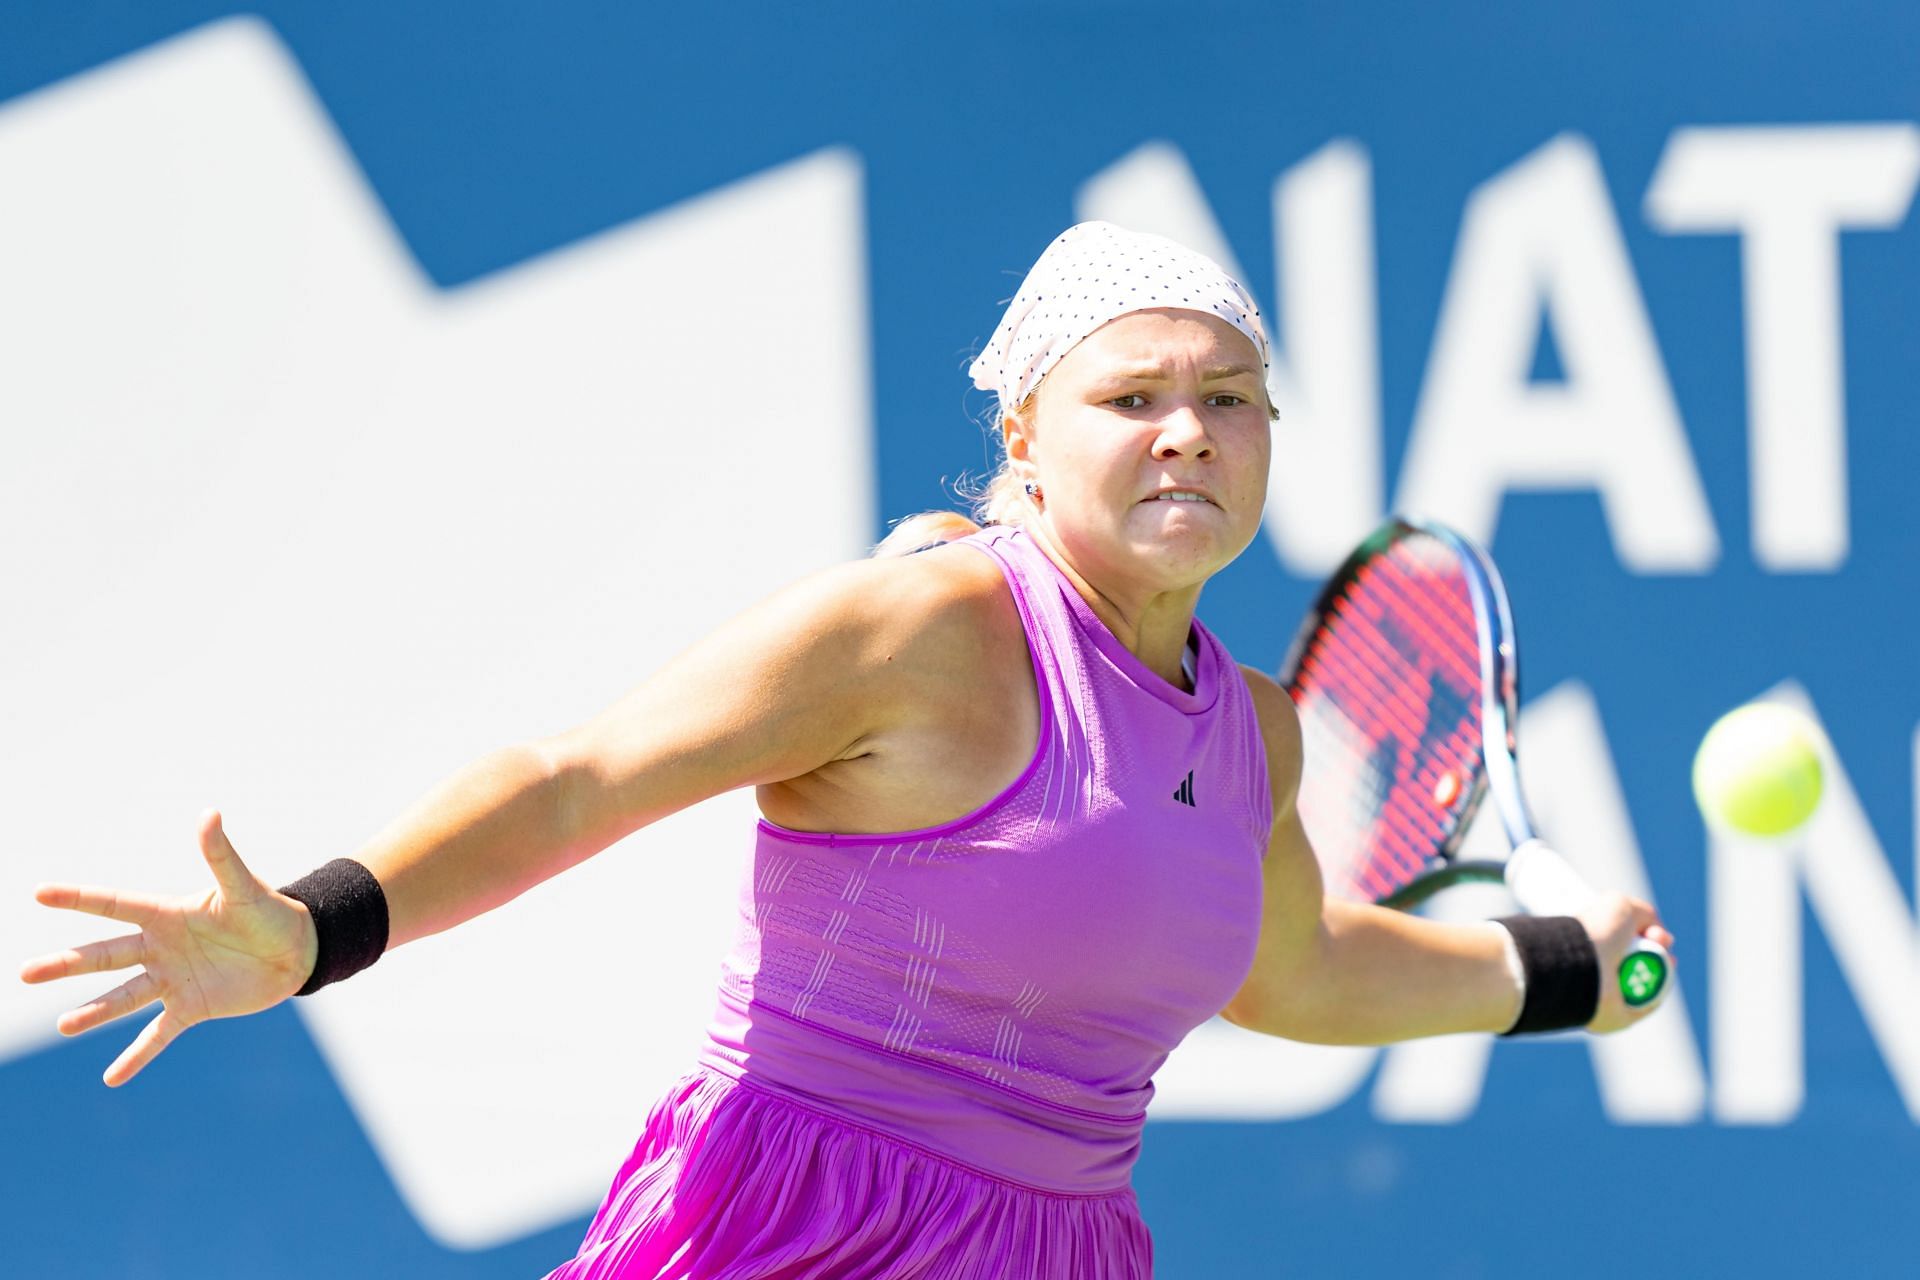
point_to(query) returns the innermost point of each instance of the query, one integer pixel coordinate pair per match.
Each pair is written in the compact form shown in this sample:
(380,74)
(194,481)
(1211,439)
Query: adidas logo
(1184,792)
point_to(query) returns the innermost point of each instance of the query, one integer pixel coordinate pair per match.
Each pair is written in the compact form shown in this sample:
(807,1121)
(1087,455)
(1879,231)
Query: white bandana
(1096,272)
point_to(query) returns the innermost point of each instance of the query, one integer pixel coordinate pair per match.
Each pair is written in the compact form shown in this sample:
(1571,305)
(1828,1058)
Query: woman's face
(1150,404)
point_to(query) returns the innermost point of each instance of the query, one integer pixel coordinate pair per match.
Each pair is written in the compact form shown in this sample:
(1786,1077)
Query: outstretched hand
(236,949)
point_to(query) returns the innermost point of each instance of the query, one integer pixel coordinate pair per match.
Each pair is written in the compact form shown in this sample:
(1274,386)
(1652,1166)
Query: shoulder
(1271,703)
(884,609)
(893,590)
(1279,733)
(953,599)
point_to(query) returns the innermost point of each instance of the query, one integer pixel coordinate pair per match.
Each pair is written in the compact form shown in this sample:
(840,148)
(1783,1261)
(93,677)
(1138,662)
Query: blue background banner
(1627,291)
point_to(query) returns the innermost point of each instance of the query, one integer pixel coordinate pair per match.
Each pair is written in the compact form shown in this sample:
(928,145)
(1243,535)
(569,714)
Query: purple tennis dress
(933,1050)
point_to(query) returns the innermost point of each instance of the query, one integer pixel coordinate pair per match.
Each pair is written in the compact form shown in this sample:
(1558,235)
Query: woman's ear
(1016,432)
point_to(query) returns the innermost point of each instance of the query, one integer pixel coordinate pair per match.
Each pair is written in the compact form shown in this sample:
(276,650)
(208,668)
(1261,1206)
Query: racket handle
(1545,884)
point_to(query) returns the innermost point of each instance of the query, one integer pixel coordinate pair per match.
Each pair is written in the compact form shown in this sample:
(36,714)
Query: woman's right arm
(793,683)
(802,679)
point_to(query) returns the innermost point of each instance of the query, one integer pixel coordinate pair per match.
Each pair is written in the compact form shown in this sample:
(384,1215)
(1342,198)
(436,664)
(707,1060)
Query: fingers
(128,908)
(1646,923)
(146,1046)
(93,957)
(135,993)
(237,884)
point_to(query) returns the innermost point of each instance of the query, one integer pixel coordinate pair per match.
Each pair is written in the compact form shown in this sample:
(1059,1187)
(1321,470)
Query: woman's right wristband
(349,912)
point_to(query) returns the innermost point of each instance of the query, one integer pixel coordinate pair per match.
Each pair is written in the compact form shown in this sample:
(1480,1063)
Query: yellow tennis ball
(1758,770)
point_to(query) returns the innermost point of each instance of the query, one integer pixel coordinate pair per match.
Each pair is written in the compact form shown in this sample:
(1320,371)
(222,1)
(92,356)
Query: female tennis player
(1026,824)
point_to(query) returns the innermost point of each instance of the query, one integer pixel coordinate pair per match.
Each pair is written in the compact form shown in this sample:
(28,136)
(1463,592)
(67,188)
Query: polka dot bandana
(1096,272)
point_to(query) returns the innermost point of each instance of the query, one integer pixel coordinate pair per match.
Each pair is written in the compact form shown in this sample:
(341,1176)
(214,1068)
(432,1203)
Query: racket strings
(1437,607)
(1389,689)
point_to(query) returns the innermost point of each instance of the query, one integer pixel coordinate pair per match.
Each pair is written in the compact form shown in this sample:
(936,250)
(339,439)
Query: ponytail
(918,532)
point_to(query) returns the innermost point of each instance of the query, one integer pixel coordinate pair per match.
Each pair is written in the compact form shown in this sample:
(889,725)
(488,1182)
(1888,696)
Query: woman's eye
(1134,400)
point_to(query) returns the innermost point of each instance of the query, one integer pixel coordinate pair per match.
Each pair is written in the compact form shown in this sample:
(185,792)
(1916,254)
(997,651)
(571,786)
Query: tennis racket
(1406,681)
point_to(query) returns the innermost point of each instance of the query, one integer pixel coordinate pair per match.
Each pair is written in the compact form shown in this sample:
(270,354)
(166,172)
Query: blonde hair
(1001,499)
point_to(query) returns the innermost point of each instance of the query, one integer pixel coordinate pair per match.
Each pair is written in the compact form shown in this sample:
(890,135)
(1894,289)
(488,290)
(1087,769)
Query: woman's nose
(1184,431)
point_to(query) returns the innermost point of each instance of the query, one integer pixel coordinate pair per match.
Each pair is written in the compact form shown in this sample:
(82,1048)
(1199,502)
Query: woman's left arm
(1329,971)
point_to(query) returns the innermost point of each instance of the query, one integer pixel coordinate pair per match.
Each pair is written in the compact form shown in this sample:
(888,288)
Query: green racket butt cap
(1642,976)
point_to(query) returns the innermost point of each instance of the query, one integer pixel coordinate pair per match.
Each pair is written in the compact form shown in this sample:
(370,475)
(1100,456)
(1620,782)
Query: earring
(1033,491)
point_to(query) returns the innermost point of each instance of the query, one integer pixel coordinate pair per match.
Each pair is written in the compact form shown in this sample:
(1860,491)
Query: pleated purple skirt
(731,1181)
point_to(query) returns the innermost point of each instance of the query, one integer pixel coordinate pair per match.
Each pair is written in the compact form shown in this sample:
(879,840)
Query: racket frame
(1497,767)
(1499,691)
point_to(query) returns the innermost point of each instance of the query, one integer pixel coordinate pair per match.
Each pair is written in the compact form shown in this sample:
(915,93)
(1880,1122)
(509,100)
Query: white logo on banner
(288,531)
(1541,244)
(1789,193)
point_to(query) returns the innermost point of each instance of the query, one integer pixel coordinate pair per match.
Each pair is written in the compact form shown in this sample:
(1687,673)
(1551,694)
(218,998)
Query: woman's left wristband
(349,911)
(1559,973)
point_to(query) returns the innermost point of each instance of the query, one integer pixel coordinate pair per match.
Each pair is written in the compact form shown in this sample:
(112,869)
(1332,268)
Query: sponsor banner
(386,385)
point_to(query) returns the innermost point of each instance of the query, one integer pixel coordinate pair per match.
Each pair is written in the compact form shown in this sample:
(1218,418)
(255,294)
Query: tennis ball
(1758,770)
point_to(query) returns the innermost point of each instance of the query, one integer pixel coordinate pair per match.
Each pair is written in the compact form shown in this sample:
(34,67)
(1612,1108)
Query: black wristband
(1563,973)
(349,918)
